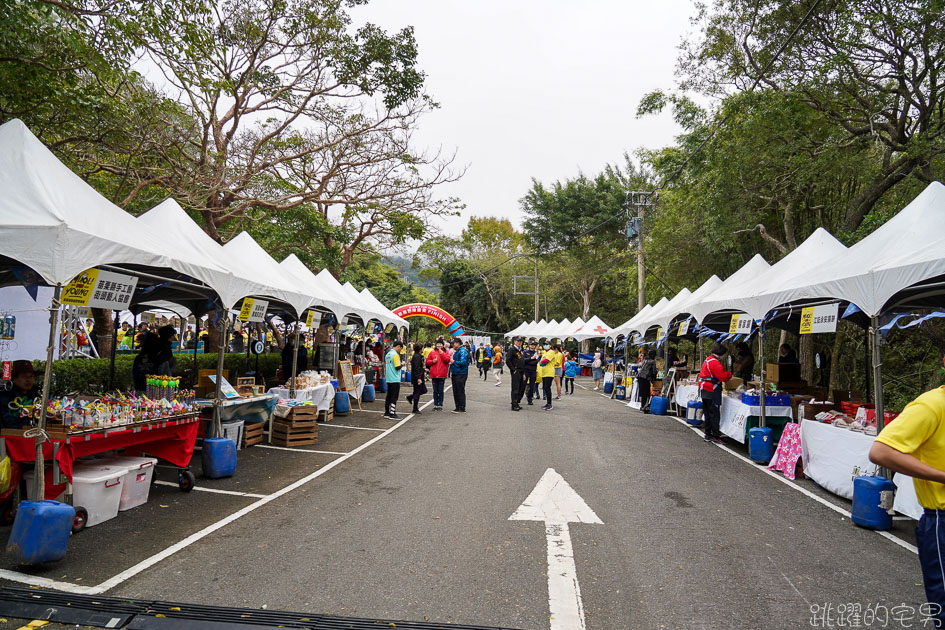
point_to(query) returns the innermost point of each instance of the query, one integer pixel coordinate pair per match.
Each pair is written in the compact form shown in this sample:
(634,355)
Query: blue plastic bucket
(872,498)
(342,404)
(659,405)
(40,532)
(608,387)
(760,444)
(218,457)
(367,394)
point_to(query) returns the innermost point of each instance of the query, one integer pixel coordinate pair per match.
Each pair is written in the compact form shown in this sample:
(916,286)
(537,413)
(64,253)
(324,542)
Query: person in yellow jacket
(546,369)
(559,369)
(497,364)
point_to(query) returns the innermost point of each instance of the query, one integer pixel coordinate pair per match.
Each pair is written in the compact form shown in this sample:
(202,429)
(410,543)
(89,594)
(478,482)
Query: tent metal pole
(39,482)
(217,398)
(877,342)
(867,351)
(111,365)
(764,376)
(196,342)
(295,361)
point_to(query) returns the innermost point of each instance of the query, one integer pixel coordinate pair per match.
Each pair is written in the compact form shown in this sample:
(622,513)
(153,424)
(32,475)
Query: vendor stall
(834,455)
(321,396)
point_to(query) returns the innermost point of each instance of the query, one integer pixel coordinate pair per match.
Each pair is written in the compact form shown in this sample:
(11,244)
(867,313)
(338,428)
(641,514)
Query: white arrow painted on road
(556,504)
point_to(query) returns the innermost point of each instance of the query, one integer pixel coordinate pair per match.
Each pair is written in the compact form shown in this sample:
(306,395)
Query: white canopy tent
(758,294)
(629,326)
(59,226)
(183,237)
(544,331)
(304,279)
(572,327)
(251,253)
(592,328)
(665,315)
(697,297)
(752,269)
(904,251)
(518,330)
(354,305)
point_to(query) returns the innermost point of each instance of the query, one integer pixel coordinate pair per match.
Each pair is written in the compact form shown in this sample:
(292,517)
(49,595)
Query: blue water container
(608,387)
(219,458)
(405,377)
(760,444)
(367,394)
(872,498)
(382,385)
(621,393)
(342,404)
(694,412)
(659,405)
(40,532)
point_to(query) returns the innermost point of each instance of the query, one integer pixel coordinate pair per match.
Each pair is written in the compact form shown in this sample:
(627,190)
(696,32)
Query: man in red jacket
(438,362)
(711,377)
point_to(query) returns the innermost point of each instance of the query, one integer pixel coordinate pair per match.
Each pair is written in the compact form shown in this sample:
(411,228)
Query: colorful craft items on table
(162,386)
(110,410)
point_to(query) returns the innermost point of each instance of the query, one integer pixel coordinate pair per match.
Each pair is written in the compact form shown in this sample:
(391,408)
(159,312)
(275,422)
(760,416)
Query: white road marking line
(214,490)
(68,587)
(298,450)
(804,491)
(556,504)
(348,426)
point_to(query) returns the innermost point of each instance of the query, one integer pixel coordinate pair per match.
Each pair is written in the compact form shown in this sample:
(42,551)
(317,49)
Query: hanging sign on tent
(684,328)
(313,319)
(100,289)
(819,319)
(740,324)
(253,310)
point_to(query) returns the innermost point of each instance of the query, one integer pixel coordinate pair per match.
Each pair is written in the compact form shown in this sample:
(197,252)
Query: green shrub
(90,376)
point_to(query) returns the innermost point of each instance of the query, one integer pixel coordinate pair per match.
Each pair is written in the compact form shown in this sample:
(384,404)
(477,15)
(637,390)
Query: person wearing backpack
(497,364)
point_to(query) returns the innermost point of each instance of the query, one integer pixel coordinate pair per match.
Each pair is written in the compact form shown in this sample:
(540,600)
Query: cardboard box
(788,372)
(732,383)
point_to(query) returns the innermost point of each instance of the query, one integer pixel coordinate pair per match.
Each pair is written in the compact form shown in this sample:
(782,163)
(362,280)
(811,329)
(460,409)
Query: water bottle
(10,326)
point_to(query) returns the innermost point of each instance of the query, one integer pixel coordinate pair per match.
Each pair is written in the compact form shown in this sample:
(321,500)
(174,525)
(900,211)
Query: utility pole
(639,200)
(536,286)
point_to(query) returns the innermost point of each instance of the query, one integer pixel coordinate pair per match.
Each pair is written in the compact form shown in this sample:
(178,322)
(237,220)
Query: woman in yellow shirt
(559,369)
(546,369)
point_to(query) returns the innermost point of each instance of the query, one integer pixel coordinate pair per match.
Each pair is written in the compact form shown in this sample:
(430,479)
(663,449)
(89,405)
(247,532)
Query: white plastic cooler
(97,488)
(136,482)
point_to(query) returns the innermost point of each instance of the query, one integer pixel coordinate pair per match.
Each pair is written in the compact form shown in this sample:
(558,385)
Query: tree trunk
(835,356)
(213,334)
(104,331)
(276,335)
(805,354)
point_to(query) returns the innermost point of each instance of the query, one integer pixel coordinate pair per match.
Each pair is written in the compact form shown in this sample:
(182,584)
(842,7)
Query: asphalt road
(415,526)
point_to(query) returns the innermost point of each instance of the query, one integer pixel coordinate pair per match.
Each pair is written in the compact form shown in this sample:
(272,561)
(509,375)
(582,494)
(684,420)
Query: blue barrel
(608,387)
(760,444)
(405,377)
(367,394)
(40,532)
(872,498)
(219,458)
(621,393)
(382,385)
(694,412)
(659,405)
(342,404)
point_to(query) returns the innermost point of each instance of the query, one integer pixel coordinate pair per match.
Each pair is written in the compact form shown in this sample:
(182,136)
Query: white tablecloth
(359,381)
(321,395)
(685,393)
(834,455)
(734,416)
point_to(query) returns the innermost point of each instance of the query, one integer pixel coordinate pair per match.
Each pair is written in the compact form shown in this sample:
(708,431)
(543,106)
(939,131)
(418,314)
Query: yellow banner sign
(246,310)
(79,291)
(807,320)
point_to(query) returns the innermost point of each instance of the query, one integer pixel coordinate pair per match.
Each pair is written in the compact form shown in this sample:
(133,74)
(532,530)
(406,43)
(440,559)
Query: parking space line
(127,574)
(347,426)
(214,490)
(299,450)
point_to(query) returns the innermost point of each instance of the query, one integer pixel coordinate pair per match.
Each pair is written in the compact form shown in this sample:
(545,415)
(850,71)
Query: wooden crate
(326,415)
(284,434)
(252,433)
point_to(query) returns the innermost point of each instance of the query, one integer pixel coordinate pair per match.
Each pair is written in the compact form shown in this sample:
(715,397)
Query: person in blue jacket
(459,372)
(570,371)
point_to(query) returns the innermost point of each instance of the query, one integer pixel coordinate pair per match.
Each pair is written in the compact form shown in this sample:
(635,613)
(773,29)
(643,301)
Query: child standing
(570,371)
(497,364)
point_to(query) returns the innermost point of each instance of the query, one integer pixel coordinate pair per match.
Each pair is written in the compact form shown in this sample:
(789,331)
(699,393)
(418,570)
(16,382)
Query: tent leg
(111,365)
(196,341)
(762,421)
(39,481)
(295,362)
(876,340)
(217,399)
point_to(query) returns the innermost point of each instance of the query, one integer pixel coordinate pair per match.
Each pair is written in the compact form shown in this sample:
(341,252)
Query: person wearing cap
(459,372)
(392,374)
(516,363)
(23,390)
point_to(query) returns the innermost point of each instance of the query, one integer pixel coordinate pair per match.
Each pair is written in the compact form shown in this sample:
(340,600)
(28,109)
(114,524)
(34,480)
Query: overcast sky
(541,89)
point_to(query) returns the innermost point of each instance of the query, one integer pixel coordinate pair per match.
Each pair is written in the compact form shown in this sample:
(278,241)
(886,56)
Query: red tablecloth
(172,443)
